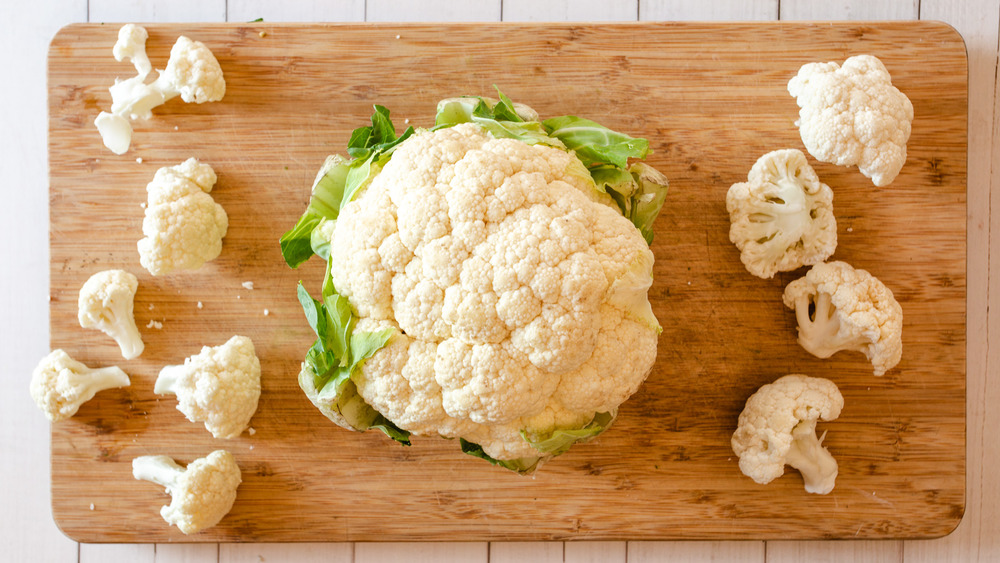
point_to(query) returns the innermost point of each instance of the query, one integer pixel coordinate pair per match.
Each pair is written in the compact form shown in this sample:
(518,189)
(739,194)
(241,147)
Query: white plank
(297,10)
(975,539)
(186,553)
(157,11)
(695,551)
(716,10)
(277,552)
(835,552)
(411,552)
(433,10)
(27,530)
(849,10)
(519,552)
(570,10)
(595,552)
(112,552)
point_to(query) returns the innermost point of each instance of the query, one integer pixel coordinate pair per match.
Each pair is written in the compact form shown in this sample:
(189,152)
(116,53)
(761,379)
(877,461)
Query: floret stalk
(94,380)
(820,334)
(159,469)
(166,382)
(814,462)
(126,334)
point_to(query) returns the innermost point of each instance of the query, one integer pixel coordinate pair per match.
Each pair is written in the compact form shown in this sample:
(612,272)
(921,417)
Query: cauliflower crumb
(247,285)
(138,159)
(92,504)
(251,431)
(266,312)
(200,305)
(154,324)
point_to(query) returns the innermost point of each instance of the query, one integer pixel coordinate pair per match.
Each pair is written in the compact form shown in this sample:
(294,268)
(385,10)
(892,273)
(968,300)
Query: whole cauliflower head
(853,115)
(840,308)
(778,427)
(201,494)
(183,225)
(107,303)
(781,218)
(219,386)
(518,290)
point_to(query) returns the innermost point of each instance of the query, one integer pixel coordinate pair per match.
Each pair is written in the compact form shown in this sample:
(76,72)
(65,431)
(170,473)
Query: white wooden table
(27,531)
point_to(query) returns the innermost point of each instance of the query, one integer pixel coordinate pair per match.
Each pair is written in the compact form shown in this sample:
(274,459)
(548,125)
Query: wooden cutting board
(711,98)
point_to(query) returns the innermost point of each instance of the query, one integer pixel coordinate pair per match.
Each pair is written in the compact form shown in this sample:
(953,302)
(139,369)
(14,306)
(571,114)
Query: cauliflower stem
(807,454)
(819,326)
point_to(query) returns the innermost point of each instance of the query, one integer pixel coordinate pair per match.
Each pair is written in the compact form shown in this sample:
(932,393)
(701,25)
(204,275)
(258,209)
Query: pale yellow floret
(778,427)
(839,308)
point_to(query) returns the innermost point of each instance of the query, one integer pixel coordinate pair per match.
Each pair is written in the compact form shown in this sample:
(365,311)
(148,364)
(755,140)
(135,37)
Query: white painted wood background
(27,531)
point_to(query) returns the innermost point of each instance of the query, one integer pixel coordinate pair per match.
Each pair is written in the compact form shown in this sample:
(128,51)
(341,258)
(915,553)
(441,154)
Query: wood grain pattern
(710,97)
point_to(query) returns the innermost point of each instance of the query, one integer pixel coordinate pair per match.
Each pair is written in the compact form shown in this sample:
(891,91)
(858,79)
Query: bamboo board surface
(710,97)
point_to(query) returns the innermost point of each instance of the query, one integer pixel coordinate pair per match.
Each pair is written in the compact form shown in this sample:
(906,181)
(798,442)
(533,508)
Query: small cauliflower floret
(220,386)
(60,384)
(106,303)
(192,72)
(853,115)
(778,427)
(840,308)
(201,494)
(782,216)
(183,225)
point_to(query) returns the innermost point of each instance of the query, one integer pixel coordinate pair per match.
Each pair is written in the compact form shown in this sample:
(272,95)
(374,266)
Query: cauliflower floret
(515,286)
(60,384)
(853,115)
(192,72)
(840,308)
(183,225)
(778,427)
(201,494)
(220,386)
(107,303)
(782,216)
